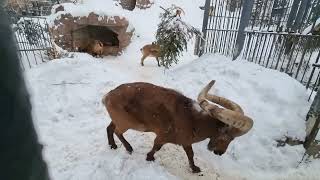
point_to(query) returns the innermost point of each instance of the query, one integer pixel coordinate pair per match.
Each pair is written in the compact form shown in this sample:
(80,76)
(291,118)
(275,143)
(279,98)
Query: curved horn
(226,103)
(232,116)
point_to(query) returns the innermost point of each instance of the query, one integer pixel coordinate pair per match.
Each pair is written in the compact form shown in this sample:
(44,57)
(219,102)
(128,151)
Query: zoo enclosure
(30,7)
(31,30)
(33,41)
(277,34)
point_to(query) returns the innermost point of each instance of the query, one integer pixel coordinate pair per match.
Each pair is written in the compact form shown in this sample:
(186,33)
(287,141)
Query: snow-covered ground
(71,120)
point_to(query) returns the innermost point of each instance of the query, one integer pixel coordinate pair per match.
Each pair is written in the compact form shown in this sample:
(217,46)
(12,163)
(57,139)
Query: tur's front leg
(189,152)
(124,142)
(156,147)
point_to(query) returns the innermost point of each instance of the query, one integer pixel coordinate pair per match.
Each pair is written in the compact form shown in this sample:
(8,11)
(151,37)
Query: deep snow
(71,120)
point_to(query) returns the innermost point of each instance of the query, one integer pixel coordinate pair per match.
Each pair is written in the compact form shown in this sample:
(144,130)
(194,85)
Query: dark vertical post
(313,121)
(244,21)
(20,154)
(312,72)
(204,27)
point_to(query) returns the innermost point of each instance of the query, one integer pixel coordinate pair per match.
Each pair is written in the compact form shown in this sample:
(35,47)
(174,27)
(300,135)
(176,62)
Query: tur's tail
(105,98)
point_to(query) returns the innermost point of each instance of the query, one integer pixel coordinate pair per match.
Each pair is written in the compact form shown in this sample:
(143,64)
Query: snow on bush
(173,35)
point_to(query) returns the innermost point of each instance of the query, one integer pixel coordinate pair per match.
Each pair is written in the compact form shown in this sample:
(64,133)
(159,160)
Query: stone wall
(128,4)
(144,4)
(71,32)
(131,4)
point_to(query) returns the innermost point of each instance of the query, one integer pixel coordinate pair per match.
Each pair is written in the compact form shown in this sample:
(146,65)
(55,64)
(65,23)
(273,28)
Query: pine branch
(190,28)
(173,35)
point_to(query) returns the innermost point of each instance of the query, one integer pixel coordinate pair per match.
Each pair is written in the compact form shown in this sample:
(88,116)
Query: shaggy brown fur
(173,117)
(151,50)
(93,47)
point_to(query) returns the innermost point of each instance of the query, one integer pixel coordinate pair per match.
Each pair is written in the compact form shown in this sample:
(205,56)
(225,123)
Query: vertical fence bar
(263,14)
(256,53)
(213,20)
(253,39)
(300,14)
(244,21)
(307,13)
(280,51)
(226,27)
(306,67)
(236,24)
(312,72)
(313,121)
(302,57)
(204,26)
(266,50)
(271,50)
(292,14)
(263,47)
(218,27)
(290,57)
(208,33)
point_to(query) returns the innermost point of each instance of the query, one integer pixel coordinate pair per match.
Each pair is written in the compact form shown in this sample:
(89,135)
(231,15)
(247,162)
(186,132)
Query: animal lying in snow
(174,118)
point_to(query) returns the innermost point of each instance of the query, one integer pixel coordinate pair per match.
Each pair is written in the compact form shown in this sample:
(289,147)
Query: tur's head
(219,144)
(236,123)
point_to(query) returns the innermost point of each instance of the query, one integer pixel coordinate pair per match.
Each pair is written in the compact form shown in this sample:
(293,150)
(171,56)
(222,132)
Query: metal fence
(31,30)
(277,34)
(30,7)
(33,41)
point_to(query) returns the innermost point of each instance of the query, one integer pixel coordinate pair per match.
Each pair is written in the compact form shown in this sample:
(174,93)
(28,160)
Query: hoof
(196,169)
(129,149)
(142,64)
(113,146)
(150,158)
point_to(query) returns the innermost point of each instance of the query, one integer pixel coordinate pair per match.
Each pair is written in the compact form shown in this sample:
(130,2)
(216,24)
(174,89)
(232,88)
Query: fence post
(201,42)
(313,121)
(244,21)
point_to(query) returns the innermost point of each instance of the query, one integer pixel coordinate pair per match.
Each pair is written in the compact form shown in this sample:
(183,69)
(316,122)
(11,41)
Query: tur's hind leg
(124,141)
(110,131)
(142,60)
(158,61)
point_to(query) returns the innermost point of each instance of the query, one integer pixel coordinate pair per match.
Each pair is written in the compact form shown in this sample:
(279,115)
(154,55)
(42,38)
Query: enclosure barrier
(278,34)
(31,30)
(33,41)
